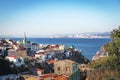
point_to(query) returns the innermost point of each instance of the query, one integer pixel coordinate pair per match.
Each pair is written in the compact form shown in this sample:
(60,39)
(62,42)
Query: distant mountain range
(84,35)
(77,35)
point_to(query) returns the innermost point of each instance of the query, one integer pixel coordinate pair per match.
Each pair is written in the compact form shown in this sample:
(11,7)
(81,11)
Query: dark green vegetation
(4,67)
(7,67)
(31,64)
(115,43)
(108,68)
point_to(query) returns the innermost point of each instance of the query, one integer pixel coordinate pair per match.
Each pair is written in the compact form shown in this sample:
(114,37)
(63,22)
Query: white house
(62,47)
(18,61)
(9,41)
(12,52)
(40,56)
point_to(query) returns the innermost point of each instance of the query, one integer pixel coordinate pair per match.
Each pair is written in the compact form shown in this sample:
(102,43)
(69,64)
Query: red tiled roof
(51,61)
(59,77)
(47,75)
(39,54)
(14,56)
(39,69)
(55,77)
(22,48)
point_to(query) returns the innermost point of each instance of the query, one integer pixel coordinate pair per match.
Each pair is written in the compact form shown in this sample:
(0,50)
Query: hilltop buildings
(44,61)
(100,54)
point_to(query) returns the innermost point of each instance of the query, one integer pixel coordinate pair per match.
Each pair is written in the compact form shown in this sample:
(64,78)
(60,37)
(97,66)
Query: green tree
(110,66)
(115,42)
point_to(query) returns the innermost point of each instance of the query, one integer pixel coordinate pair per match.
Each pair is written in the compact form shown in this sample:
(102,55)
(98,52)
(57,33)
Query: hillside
(107,68)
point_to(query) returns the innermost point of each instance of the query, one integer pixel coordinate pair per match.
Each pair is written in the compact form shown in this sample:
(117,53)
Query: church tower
(24,39)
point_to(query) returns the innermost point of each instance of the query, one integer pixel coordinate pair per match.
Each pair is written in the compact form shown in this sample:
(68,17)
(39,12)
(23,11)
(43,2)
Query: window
(0,51)
(7,79)
(67,69)
(58,68)
(74,67)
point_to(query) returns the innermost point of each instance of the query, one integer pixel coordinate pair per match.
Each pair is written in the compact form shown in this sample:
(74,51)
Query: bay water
(89,46)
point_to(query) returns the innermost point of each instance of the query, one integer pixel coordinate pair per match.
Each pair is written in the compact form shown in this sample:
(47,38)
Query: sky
(49,17)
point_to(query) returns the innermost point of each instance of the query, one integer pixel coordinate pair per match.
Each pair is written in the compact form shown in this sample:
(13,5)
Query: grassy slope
(105,69)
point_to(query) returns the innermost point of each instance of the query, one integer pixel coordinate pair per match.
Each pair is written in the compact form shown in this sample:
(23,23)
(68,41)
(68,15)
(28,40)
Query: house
(12,58)
(49,55)
(82,67)
(62,47)
(34,47)
(22,53)
(40,57)
(15,47)
(95,58)
(68,68)
(41,51)
(27,45)
(3,51)
(39,72)
(40,46)
(59,55)
(18,61)
(67,54)
(54,47)
(12,52)
(100,54)
(10,77)
(9,41)
(51,63)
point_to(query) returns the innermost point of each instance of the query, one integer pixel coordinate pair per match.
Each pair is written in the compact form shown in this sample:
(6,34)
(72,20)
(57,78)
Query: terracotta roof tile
(39,69)
(47,76)
(52,61)
(14,56)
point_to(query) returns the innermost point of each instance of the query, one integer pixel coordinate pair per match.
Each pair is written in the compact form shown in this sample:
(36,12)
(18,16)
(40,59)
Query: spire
(24,40)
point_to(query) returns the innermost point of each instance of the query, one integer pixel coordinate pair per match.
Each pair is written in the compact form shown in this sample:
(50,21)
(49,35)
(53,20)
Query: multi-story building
(68,68)
(34,47)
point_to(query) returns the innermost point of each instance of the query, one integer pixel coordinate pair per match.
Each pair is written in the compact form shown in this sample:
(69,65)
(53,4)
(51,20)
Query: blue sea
(88,46)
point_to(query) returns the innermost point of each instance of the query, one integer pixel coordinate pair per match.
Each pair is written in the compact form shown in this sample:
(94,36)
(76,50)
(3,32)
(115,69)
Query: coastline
(87,45)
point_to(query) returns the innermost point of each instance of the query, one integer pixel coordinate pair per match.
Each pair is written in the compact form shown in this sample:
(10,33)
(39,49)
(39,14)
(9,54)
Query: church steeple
(24,39)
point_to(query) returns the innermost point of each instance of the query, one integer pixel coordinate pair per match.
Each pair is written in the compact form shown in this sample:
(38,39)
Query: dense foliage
(4,67)
(109,65)
(115,42)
